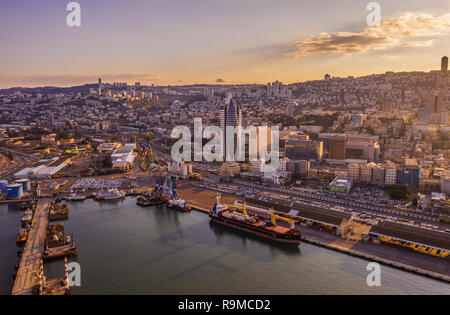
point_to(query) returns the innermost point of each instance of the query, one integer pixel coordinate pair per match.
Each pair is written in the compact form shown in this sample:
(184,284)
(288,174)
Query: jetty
(27,279)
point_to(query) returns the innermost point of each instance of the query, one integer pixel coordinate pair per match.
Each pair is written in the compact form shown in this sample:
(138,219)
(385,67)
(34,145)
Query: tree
(398,192)
(107,161)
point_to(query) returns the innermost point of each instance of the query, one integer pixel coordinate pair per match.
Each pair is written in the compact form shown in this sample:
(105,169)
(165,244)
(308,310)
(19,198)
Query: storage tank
(25,184)
(14,191)
(3,184)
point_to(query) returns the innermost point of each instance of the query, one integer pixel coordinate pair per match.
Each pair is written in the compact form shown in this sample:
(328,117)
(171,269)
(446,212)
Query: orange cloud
(408,30)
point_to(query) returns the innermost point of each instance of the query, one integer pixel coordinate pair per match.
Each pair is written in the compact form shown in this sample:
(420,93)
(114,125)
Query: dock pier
(27,279)
(30,279)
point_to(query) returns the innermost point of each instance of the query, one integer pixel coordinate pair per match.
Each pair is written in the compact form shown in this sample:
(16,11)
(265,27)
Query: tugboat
(22,235)
(156,197)
(175,202)
(110,194)
(152,200)
(25,206)
(179,204)
(229,216)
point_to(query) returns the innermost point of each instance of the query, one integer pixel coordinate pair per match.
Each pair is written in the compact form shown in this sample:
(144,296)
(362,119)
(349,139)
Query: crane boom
(243,207)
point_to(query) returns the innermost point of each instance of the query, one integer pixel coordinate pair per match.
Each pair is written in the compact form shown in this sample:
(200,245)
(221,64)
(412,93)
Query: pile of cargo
(58,212)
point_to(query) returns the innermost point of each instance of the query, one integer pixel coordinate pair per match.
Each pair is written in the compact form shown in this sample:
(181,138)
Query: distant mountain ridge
(51,89)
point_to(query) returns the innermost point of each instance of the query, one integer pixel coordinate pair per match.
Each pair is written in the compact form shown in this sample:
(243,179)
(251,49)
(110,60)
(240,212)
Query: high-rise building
(386,103)
(338,147)
(52,119)
(445,184)
(435,102)
(362,147)
(409,176)
(100,86)
(444,65)
(230,116)
(298,167)
(366,173)
(354,171)
(378,175)
(390,175)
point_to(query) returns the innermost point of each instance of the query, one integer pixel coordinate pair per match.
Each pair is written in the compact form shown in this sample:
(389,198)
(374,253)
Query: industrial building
(43,168)
(298,149)
(122,159)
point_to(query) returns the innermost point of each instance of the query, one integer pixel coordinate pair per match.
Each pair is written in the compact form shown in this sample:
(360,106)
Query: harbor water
(126,249)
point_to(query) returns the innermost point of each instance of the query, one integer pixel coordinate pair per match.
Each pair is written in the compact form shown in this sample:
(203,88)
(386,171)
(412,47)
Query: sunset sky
(199,41)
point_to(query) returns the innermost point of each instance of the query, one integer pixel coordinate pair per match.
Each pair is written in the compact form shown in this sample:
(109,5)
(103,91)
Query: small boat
(75,197)
(110,194)
(133,192)
(179,204)
(27,218)
(22,235)
(25,206)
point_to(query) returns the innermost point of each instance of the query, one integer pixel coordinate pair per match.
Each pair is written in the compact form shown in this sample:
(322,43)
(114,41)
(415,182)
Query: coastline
(202,200)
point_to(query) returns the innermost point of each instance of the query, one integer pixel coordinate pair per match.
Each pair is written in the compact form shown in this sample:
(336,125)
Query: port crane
(166,190)
(273,217)
(243,207)
(174,190)
(158,187)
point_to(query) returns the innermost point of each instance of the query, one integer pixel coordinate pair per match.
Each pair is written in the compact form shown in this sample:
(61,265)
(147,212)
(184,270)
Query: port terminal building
(123,158)
(43,168)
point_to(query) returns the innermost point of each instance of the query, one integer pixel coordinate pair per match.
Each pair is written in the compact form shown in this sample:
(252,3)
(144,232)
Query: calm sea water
(9,225)
(126,249)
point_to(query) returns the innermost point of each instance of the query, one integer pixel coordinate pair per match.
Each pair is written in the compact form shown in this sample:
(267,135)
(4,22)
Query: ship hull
(108,198)
(21,240)
(148,203)
(179,208)
(254,231)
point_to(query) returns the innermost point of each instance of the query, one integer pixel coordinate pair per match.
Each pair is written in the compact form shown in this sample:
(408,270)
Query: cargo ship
(230,216)
(179,204)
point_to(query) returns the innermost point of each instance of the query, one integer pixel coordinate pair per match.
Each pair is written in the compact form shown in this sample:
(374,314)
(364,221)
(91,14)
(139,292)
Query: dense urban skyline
(183,43)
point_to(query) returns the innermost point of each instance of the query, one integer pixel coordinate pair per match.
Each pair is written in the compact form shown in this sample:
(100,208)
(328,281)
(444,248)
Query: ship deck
(261,224)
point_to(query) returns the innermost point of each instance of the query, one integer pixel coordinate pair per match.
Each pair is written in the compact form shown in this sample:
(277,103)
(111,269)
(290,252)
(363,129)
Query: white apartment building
(180,168)
(390,176)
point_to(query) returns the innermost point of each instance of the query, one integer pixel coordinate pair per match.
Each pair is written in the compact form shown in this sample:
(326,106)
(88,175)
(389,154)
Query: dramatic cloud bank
(408,30)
